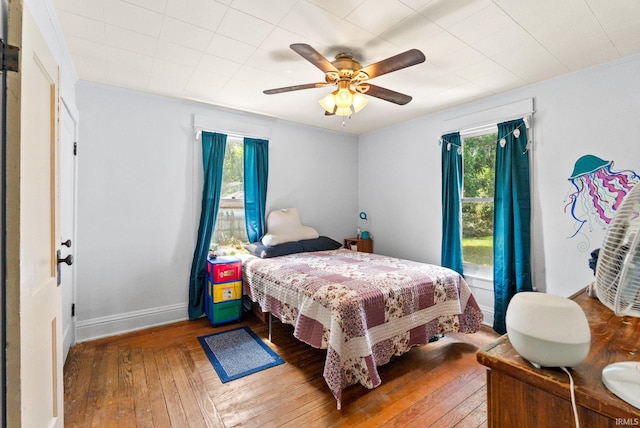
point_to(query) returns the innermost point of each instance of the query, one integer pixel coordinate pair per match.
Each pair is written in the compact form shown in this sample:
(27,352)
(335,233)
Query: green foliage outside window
(230,235)
(477,214)
(233,171)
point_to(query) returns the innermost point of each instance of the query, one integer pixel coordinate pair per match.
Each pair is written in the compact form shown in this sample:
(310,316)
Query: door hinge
(73,309)
(75,148)
(10,57)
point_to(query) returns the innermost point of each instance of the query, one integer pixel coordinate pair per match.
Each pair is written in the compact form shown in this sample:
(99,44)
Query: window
(478,157)
(230,233)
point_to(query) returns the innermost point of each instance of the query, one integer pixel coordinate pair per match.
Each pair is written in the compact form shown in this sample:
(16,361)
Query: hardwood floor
(161,377)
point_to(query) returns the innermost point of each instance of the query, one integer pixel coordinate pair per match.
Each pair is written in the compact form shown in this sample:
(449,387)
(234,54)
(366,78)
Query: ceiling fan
(351,79)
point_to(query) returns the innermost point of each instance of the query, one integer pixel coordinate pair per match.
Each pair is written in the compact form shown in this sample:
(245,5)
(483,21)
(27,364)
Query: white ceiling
(226,52)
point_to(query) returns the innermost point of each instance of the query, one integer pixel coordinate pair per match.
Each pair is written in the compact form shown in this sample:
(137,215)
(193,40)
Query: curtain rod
(480,127)
(198,132)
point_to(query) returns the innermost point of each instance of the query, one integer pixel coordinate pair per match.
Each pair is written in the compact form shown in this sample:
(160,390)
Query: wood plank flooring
(161,377)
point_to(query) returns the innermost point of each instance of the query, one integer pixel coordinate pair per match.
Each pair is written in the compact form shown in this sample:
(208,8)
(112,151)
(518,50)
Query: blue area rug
(237,353)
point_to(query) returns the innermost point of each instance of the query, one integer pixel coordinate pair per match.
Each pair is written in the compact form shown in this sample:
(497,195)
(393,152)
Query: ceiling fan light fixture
(344,97)
(343,111)
(359,102)
(341,101)
(328,102)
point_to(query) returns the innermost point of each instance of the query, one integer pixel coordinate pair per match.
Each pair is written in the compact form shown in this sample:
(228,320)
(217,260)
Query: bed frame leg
(269,326)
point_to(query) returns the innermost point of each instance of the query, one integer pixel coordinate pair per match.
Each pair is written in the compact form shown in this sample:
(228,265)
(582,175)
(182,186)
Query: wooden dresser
(520,395)
(357,244)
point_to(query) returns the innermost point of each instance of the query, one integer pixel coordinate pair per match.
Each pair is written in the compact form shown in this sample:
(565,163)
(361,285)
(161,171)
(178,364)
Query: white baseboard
(487,315)
(111,325)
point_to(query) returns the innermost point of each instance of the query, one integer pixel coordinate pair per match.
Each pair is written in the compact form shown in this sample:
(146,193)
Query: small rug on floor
(237,353)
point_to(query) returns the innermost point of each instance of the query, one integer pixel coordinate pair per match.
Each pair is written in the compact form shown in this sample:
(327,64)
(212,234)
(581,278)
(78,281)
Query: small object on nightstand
(361,245)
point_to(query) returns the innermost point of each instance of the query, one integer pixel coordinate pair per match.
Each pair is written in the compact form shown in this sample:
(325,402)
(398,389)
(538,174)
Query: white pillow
(284,225)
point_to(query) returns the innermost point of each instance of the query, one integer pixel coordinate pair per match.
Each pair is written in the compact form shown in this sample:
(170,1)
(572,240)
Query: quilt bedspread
(363,308)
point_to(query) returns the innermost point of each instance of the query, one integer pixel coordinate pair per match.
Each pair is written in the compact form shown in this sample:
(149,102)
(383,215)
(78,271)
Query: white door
(67,225)
(34,320)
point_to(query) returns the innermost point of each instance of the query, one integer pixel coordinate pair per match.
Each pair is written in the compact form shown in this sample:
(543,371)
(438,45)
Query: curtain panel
(451,251)
(213,149)
(256,173)
(512,219)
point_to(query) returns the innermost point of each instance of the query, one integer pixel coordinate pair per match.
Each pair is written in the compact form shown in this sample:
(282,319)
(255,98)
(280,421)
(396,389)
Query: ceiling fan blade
(387,95)
(396,62)
(294,88)
(314,57)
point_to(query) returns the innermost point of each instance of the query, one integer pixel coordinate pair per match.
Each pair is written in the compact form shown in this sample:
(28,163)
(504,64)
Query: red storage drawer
(224,269)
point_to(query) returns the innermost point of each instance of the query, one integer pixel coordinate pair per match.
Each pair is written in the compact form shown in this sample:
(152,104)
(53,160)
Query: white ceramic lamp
(547,330)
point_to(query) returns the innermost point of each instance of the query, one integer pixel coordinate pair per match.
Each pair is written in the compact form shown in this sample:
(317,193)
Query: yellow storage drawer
(227,291)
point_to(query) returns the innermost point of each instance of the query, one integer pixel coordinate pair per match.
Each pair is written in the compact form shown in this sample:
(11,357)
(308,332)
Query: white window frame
(470,269)
(231,139)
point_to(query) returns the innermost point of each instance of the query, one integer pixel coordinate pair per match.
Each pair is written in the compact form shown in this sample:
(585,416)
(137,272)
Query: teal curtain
(213,148)
(512,219)
(256,173)
(451,252)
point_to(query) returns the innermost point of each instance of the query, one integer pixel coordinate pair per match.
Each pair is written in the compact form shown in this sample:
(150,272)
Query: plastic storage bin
(223,296)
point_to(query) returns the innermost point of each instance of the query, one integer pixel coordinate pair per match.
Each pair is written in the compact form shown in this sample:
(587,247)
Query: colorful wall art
(597,192)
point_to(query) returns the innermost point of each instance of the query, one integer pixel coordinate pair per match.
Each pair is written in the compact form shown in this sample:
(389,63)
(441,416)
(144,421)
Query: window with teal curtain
(213,149)
(451,254)
(256,173)
(512,219)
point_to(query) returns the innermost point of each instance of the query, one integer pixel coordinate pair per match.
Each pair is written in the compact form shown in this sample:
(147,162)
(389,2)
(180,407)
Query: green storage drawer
(222,312)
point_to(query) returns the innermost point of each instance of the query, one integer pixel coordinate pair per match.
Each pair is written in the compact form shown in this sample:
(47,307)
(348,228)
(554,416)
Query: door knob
(67,243)
(68,260)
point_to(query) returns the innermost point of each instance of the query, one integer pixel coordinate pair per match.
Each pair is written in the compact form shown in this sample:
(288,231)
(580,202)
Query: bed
(362,308)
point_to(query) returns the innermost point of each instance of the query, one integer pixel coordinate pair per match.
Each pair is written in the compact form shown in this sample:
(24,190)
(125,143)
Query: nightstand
(361,245)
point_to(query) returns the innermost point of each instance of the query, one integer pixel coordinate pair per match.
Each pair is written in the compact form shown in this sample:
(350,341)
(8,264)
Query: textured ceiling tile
(170,51)
(132,17)
(339,8)
(130,40)
(312,23)
(206,14)
(450,12)
(245,28)
(185,34)
(80,47)
(218,65)
(78,26)
(133,62)
(395,11)
(88,8)
(154,5)
(229,48)
(271,11)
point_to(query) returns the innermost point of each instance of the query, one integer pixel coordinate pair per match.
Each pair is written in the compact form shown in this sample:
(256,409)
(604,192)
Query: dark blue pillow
(321,243)
(258,249)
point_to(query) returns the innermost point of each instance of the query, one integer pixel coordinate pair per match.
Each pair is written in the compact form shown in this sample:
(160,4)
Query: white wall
(139,187)
(590,112)
(139,191)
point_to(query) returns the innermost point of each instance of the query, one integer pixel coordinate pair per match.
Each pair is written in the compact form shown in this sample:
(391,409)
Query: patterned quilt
(363,308)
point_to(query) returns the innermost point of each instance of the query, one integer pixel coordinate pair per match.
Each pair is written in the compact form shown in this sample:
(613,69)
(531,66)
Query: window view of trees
(230,233)
(477,201)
